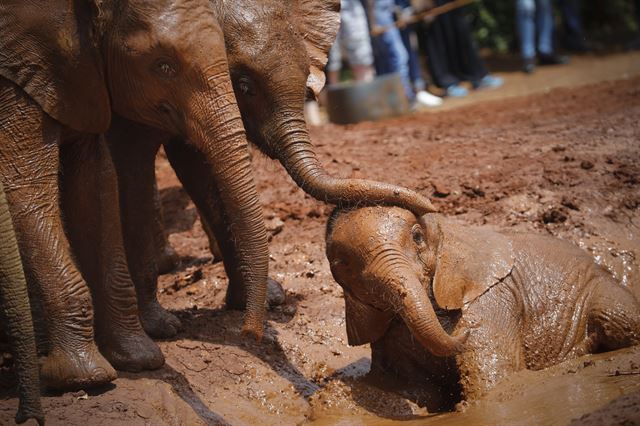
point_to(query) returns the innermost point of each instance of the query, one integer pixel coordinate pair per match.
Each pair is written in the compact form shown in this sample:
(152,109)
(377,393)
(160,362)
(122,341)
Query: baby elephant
(512,301)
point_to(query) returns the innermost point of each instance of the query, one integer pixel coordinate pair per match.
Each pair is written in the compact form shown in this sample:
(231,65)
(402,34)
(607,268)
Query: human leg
(525,21)
(389,45)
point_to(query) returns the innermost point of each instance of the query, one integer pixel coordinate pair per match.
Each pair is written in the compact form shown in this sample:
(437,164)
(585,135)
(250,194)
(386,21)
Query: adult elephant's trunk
(217,131)
(410,300)
(297,155)
(16,313)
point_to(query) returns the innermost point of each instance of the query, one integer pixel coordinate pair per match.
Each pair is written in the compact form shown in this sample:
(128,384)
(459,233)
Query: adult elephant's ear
(365,324)
(468,260)
(319,24)
(47,48)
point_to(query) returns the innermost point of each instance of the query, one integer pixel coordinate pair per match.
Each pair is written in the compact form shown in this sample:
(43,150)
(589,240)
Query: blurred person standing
(352,42)
(635,43)
(574,39)
(534,19)
(390,54)
(410,41)
(452,55)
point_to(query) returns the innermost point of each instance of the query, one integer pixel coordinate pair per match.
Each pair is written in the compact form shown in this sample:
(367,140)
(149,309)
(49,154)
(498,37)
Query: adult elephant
(65,67)
(15,312)
(276,51)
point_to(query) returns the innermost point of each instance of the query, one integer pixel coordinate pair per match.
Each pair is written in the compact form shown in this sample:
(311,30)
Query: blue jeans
(391,55)
(535,16)
(410,41)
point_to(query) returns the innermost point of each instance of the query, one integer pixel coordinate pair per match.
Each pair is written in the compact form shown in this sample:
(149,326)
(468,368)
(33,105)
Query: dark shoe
(529,65)
(552,59)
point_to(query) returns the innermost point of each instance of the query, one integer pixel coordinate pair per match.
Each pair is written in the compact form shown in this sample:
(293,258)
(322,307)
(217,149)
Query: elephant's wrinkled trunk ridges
(416,310)
(297,155)
(223,142)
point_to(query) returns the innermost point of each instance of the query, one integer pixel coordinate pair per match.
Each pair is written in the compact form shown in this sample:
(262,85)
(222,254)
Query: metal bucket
(382,97)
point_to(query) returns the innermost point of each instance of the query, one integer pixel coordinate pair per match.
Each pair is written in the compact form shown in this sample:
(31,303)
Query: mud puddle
(602,388)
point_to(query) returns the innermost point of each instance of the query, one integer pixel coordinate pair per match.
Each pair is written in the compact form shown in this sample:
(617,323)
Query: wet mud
(564,163)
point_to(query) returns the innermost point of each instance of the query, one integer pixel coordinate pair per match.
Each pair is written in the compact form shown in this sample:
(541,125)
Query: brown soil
(565,162)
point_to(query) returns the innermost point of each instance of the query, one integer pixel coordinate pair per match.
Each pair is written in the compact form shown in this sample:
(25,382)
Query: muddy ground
(565,162)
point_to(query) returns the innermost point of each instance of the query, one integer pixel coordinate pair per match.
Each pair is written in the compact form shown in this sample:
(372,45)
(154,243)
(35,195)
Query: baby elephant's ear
(47,48)
(365,324)
(469,260)
(319,24)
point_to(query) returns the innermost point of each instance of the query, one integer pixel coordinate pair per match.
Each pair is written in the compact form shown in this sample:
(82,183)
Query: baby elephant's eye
(416,233)
(165,68)
(245,86)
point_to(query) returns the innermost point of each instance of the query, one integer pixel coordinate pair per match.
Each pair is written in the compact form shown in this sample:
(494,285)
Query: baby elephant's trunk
(418,313)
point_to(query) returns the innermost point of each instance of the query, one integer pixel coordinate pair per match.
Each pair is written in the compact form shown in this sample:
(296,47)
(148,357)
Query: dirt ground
(565,162)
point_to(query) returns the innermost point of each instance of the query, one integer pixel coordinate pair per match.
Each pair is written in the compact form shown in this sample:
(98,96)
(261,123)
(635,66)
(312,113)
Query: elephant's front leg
(195,175)
(92,212)
(29,165)
(133,148)
(494,348)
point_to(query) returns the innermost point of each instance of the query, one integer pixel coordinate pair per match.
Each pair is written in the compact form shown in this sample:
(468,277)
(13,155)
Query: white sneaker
(427,99)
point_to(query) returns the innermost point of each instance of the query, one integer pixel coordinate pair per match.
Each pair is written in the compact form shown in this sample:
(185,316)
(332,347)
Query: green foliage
(494,26)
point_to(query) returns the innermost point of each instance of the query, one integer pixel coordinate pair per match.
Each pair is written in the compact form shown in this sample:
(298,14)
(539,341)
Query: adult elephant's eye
(245,86)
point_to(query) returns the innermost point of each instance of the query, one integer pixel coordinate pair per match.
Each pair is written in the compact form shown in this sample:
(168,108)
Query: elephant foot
(275,293)
(168,259)
(79,369)
(157,322)
(130,351)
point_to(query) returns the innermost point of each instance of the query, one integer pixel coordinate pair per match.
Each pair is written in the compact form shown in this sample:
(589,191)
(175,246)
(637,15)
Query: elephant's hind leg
(29,166)
(166,256)
(133,148)
(614,316)
(92,212)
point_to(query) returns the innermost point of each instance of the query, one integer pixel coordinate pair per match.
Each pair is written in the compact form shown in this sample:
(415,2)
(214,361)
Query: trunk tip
(455,345)
(254,331)
(426,207)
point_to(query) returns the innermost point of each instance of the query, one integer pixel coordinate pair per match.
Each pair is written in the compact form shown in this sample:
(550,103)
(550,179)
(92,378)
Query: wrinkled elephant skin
(271,92)
(15,311)
(529,301)
(69,72)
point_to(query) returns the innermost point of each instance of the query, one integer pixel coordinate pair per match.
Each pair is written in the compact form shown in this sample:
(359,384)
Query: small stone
(570,204)
(80,395)
(554,215)
(440,189)
(586,165)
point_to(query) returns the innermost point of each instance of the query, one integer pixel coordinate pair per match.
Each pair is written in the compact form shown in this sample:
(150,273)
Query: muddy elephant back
(555,280)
